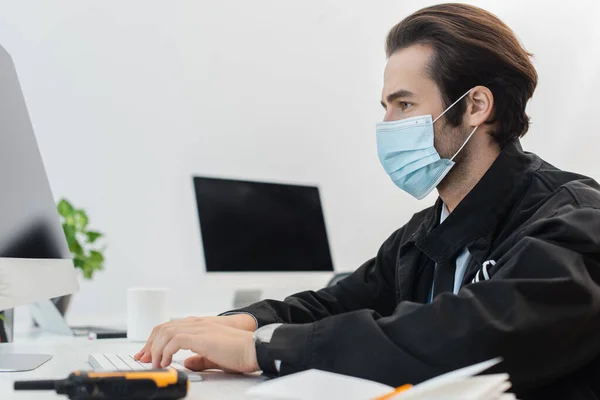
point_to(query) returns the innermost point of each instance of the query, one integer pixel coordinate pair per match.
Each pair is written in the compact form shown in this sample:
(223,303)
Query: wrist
(242,321)
(246,322)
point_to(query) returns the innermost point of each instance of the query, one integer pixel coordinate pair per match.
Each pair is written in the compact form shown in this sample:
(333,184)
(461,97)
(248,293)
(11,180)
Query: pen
(394,393)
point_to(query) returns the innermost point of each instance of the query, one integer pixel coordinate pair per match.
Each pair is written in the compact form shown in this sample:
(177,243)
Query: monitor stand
(12,362)
(48,318)
(245,297)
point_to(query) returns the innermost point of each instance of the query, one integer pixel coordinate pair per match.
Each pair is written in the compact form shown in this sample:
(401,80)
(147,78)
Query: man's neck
(467,172)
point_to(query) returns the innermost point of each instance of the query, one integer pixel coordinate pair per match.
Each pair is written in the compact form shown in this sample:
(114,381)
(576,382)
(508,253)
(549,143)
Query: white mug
(146,308)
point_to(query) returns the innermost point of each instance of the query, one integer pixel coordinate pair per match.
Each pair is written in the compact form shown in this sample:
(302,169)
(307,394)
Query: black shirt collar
(482,209)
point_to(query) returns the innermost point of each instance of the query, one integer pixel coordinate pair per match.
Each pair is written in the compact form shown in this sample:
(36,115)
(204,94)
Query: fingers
(139,354)
(199,363)
(219,346)
(144,354)
(163,337)
(179,341)
(166,334)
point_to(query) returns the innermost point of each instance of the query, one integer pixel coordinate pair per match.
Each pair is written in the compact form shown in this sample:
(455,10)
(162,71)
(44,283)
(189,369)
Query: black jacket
(531,292)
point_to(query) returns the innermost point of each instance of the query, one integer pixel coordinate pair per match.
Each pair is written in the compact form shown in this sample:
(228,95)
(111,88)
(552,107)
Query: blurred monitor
(261,227)
(248,228)
(35,262)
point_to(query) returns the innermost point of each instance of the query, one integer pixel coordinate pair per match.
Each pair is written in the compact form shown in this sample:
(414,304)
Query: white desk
(70,354)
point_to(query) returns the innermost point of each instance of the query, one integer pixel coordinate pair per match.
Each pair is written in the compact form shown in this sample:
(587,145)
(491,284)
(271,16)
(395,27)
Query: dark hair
(472,47)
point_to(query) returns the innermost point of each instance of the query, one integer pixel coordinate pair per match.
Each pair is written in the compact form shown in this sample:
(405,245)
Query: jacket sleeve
(540,311)
(369,287)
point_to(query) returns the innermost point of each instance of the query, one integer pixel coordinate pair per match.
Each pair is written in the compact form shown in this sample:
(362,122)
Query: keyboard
(125,362)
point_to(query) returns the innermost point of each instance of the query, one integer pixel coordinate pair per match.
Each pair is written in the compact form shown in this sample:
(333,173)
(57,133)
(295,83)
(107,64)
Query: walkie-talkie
(158,384)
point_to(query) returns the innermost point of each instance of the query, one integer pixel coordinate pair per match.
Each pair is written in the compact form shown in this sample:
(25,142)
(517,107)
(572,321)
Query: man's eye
(404,105)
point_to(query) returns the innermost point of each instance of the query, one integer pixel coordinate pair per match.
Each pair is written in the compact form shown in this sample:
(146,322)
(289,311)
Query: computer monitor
(35,262)
(258,228)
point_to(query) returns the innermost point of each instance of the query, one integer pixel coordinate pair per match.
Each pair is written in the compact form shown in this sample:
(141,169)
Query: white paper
(465,372)
(484,387)
(318,385)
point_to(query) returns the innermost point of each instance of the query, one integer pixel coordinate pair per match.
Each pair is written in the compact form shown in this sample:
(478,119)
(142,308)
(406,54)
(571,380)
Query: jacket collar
(487,204)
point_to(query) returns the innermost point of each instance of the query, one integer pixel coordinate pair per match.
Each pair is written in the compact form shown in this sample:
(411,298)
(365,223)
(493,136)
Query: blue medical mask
(406,151)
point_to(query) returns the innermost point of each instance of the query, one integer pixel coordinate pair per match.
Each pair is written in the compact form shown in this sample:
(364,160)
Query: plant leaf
(88,272)
(75,222)
(69,231)
(78,262)
(75,247)
(64,208)
(71,236)
(93,236)
(90,266)
(81,219)
(96,256)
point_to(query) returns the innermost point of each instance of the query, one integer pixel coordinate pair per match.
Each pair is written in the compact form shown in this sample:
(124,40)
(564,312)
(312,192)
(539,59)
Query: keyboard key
(134,365)
(117,362)
(100,362)
(141,364)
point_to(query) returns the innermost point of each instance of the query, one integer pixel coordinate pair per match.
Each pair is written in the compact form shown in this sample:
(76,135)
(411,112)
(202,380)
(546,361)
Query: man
(506,263)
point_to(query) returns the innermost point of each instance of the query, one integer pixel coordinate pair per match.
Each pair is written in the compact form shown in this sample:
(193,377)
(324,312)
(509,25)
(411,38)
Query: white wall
(131,98)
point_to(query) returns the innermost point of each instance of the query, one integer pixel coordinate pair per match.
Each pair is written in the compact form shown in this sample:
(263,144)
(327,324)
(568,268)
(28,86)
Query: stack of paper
(320,385)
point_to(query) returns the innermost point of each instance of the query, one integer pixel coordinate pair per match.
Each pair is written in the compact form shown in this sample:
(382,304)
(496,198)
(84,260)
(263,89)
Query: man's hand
(243,322)
(217,346)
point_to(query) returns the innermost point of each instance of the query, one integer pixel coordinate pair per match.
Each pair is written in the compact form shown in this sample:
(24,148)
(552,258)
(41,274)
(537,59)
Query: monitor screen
(261,227)
(35,261)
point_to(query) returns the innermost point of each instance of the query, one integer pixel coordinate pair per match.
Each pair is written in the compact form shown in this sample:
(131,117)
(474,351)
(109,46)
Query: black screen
(257,227)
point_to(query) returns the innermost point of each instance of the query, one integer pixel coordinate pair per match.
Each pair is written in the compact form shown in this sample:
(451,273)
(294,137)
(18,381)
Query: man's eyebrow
(399,94)
(402,93)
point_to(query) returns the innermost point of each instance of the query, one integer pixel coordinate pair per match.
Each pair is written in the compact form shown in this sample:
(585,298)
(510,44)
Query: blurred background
(130,99)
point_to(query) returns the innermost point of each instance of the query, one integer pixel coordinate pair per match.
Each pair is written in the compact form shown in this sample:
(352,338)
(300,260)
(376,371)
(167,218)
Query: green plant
(2,318)
(82,242)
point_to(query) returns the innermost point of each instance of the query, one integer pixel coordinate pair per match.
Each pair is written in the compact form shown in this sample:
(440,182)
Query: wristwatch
(262,337)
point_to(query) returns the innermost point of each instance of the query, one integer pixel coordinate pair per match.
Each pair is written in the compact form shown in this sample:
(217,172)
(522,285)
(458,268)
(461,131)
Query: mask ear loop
(464,144)
(444,112)
(452,105)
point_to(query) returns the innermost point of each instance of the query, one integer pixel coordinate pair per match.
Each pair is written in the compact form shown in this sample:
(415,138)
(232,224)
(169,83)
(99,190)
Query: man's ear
(480,107)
